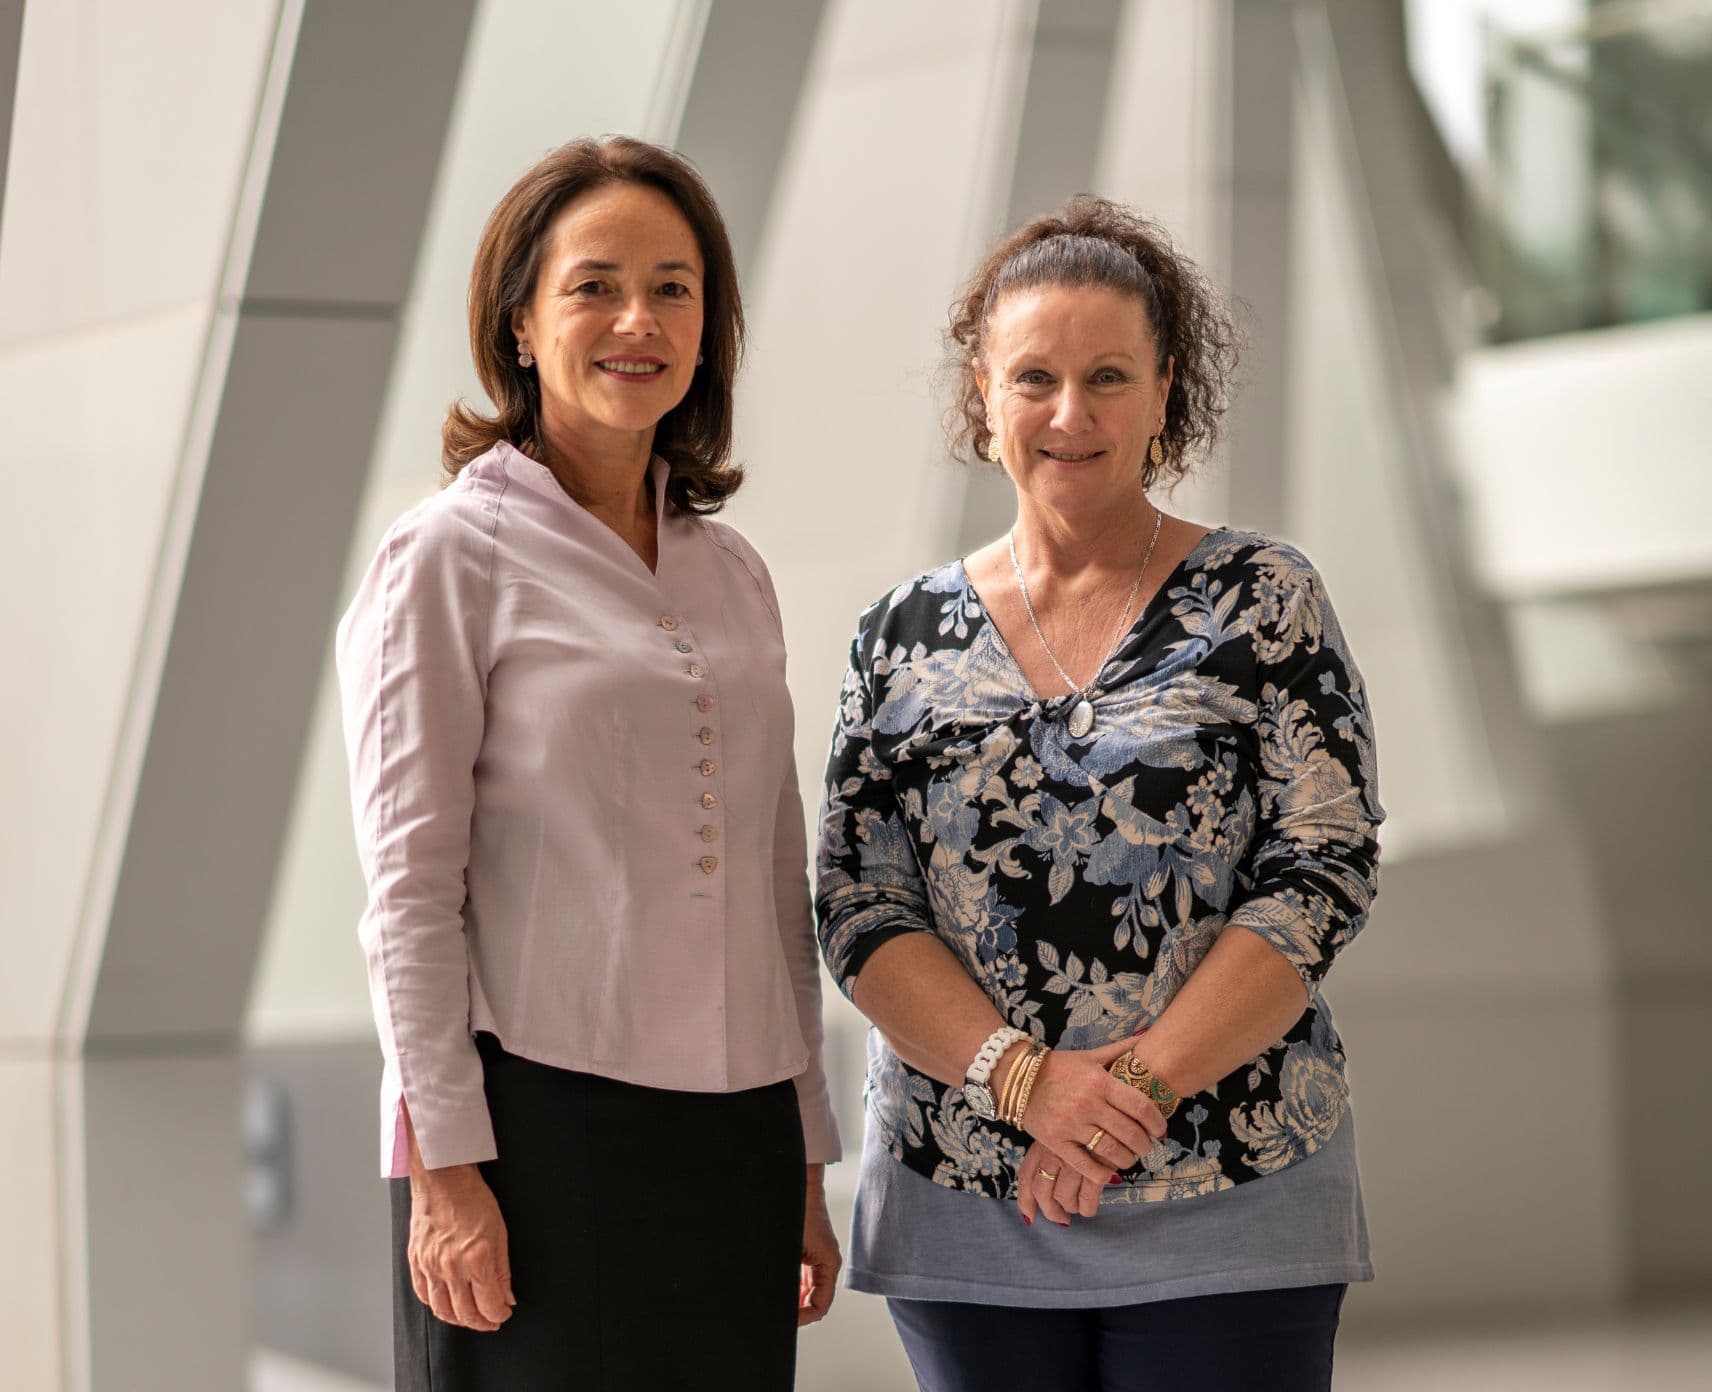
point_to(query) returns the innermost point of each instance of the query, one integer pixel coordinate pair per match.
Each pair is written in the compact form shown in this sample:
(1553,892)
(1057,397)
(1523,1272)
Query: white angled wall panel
(128,145)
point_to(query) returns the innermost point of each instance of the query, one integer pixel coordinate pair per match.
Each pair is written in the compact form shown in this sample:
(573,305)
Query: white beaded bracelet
(992,1051)
(975,1090)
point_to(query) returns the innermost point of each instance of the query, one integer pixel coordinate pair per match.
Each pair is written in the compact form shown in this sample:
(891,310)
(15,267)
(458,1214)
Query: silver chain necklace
(1082,713)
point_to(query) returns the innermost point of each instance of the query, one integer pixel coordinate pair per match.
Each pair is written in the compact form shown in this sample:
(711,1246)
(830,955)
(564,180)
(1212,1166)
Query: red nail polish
(1065,1223)
(1115,1179)
(1027,1222)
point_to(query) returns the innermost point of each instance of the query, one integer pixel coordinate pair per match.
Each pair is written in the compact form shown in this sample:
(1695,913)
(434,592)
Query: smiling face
(615,322)
(1073,392)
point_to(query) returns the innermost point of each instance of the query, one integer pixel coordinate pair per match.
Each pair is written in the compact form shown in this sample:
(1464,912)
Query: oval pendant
(1081,718)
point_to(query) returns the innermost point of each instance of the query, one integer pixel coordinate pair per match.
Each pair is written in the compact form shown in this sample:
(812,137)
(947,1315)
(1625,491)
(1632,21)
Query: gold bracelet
(1034,1067)
(1003,1093)
(1034,1064)
(1013,1081)
(1132,1072)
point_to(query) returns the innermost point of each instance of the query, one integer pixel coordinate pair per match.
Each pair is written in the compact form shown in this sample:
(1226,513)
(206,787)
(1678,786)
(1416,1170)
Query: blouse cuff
(821,1145)
(871,942)
(852,933)
(1303,928)
(462,1137)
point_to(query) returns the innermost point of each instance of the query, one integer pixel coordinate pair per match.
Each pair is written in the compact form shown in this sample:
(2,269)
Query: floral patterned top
(1229,777)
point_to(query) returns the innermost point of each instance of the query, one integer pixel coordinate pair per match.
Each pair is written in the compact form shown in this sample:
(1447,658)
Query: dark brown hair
(1096,242)
(694,437)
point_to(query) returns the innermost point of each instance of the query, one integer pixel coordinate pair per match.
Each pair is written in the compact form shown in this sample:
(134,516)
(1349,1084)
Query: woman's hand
(1073,1100)
(820,1256)
(1047,1185)
(460,1267)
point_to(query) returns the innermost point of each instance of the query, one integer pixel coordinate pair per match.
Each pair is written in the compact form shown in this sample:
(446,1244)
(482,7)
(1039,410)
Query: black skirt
(655,1240)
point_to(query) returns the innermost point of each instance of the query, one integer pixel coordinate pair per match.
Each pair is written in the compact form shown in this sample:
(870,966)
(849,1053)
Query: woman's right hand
(460,1264)
(1074,1097)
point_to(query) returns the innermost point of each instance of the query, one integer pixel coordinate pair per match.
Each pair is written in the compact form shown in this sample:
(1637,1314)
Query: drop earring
(1155,452)
(993,449)
(524,357)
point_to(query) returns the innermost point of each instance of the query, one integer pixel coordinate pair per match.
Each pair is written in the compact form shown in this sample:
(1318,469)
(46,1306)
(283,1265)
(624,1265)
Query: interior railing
(1595,205)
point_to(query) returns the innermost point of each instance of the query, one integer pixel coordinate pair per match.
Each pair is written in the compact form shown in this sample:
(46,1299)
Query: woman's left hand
(1045,1184)
(821,1260)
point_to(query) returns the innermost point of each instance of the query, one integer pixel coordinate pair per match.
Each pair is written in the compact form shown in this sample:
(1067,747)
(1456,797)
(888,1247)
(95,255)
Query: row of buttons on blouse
(707,767)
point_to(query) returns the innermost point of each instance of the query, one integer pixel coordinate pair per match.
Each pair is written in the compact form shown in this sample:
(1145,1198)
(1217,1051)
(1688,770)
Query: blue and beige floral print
(1229,778)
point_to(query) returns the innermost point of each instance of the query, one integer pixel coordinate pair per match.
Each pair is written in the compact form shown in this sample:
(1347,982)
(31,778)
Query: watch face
(980,1100)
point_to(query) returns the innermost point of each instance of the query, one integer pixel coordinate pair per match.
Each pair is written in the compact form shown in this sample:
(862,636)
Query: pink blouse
(576,808)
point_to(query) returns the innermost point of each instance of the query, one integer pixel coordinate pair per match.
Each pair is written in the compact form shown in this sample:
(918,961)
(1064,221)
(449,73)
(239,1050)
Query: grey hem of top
(906,1287)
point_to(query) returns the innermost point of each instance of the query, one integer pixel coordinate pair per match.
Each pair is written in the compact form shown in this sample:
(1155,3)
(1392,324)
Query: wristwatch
(975,1090)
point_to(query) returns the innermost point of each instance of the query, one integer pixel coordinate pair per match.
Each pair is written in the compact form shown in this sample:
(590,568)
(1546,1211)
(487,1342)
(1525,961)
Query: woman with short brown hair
(588,924)
(1101,809)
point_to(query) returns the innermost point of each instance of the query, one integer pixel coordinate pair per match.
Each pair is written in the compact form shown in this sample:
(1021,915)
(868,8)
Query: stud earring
(699,360)
(993,449)
(524,357)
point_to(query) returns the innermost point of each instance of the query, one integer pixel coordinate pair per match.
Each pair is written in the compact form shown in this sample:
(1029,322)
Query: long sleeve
(791,902)
(796,931)
(1312,867)
(411,655)
(869,886)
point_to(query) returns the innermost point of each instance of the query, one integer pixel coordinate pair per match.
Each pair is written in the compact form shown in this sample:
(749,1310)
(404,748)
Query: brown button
(684,645)
(708,864)
(709,800)
(704,703)
(708,833)
(705,735)
(668,623)
(708,768)
(697,670)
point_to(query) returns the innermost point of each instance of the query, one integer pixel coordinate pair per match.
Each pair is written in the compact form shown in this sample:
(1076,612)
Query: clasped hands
(1074,1098)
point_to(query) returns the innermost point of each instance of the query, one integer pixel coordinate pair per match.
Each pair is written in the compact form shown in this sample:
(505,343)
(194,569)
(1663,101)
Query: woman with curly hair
(1100,812)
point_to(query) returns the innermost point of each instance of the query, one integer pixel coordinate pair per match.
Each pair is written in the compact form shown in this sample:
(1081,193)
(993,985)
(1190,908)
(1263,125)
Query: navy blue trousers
(1269,1341)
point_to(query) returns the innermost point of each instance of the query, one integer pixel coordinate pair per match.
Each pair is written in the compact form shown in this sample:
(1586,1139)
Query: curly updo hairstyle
(694,437)
(1097,242)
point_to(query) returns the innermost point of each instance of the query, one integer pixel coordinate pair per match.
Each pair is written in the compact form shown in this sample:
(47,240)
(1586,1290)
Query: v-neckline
(1093,688)
(658,472)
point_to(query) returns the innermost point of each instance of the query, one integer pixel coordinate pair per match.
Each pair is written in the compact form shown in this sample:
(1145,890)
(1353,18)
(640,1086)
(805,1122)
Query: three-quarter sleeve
(1311,871)
(412,661)
(869,887)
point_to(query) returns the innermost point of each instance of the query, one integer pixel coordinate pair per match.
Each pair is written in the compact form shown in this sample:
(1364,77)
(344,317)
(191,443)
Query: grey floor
(856,1352)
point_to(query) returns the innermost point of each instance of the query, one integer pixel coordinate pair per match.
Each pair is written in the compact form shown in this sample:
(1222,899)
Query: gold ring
(1048,1175)
(1099,1135)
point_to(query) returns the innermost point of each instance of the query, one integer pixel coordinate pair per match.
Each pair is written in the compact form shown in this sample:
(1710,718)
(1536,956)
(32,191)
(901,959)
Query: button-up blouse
(576,807)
